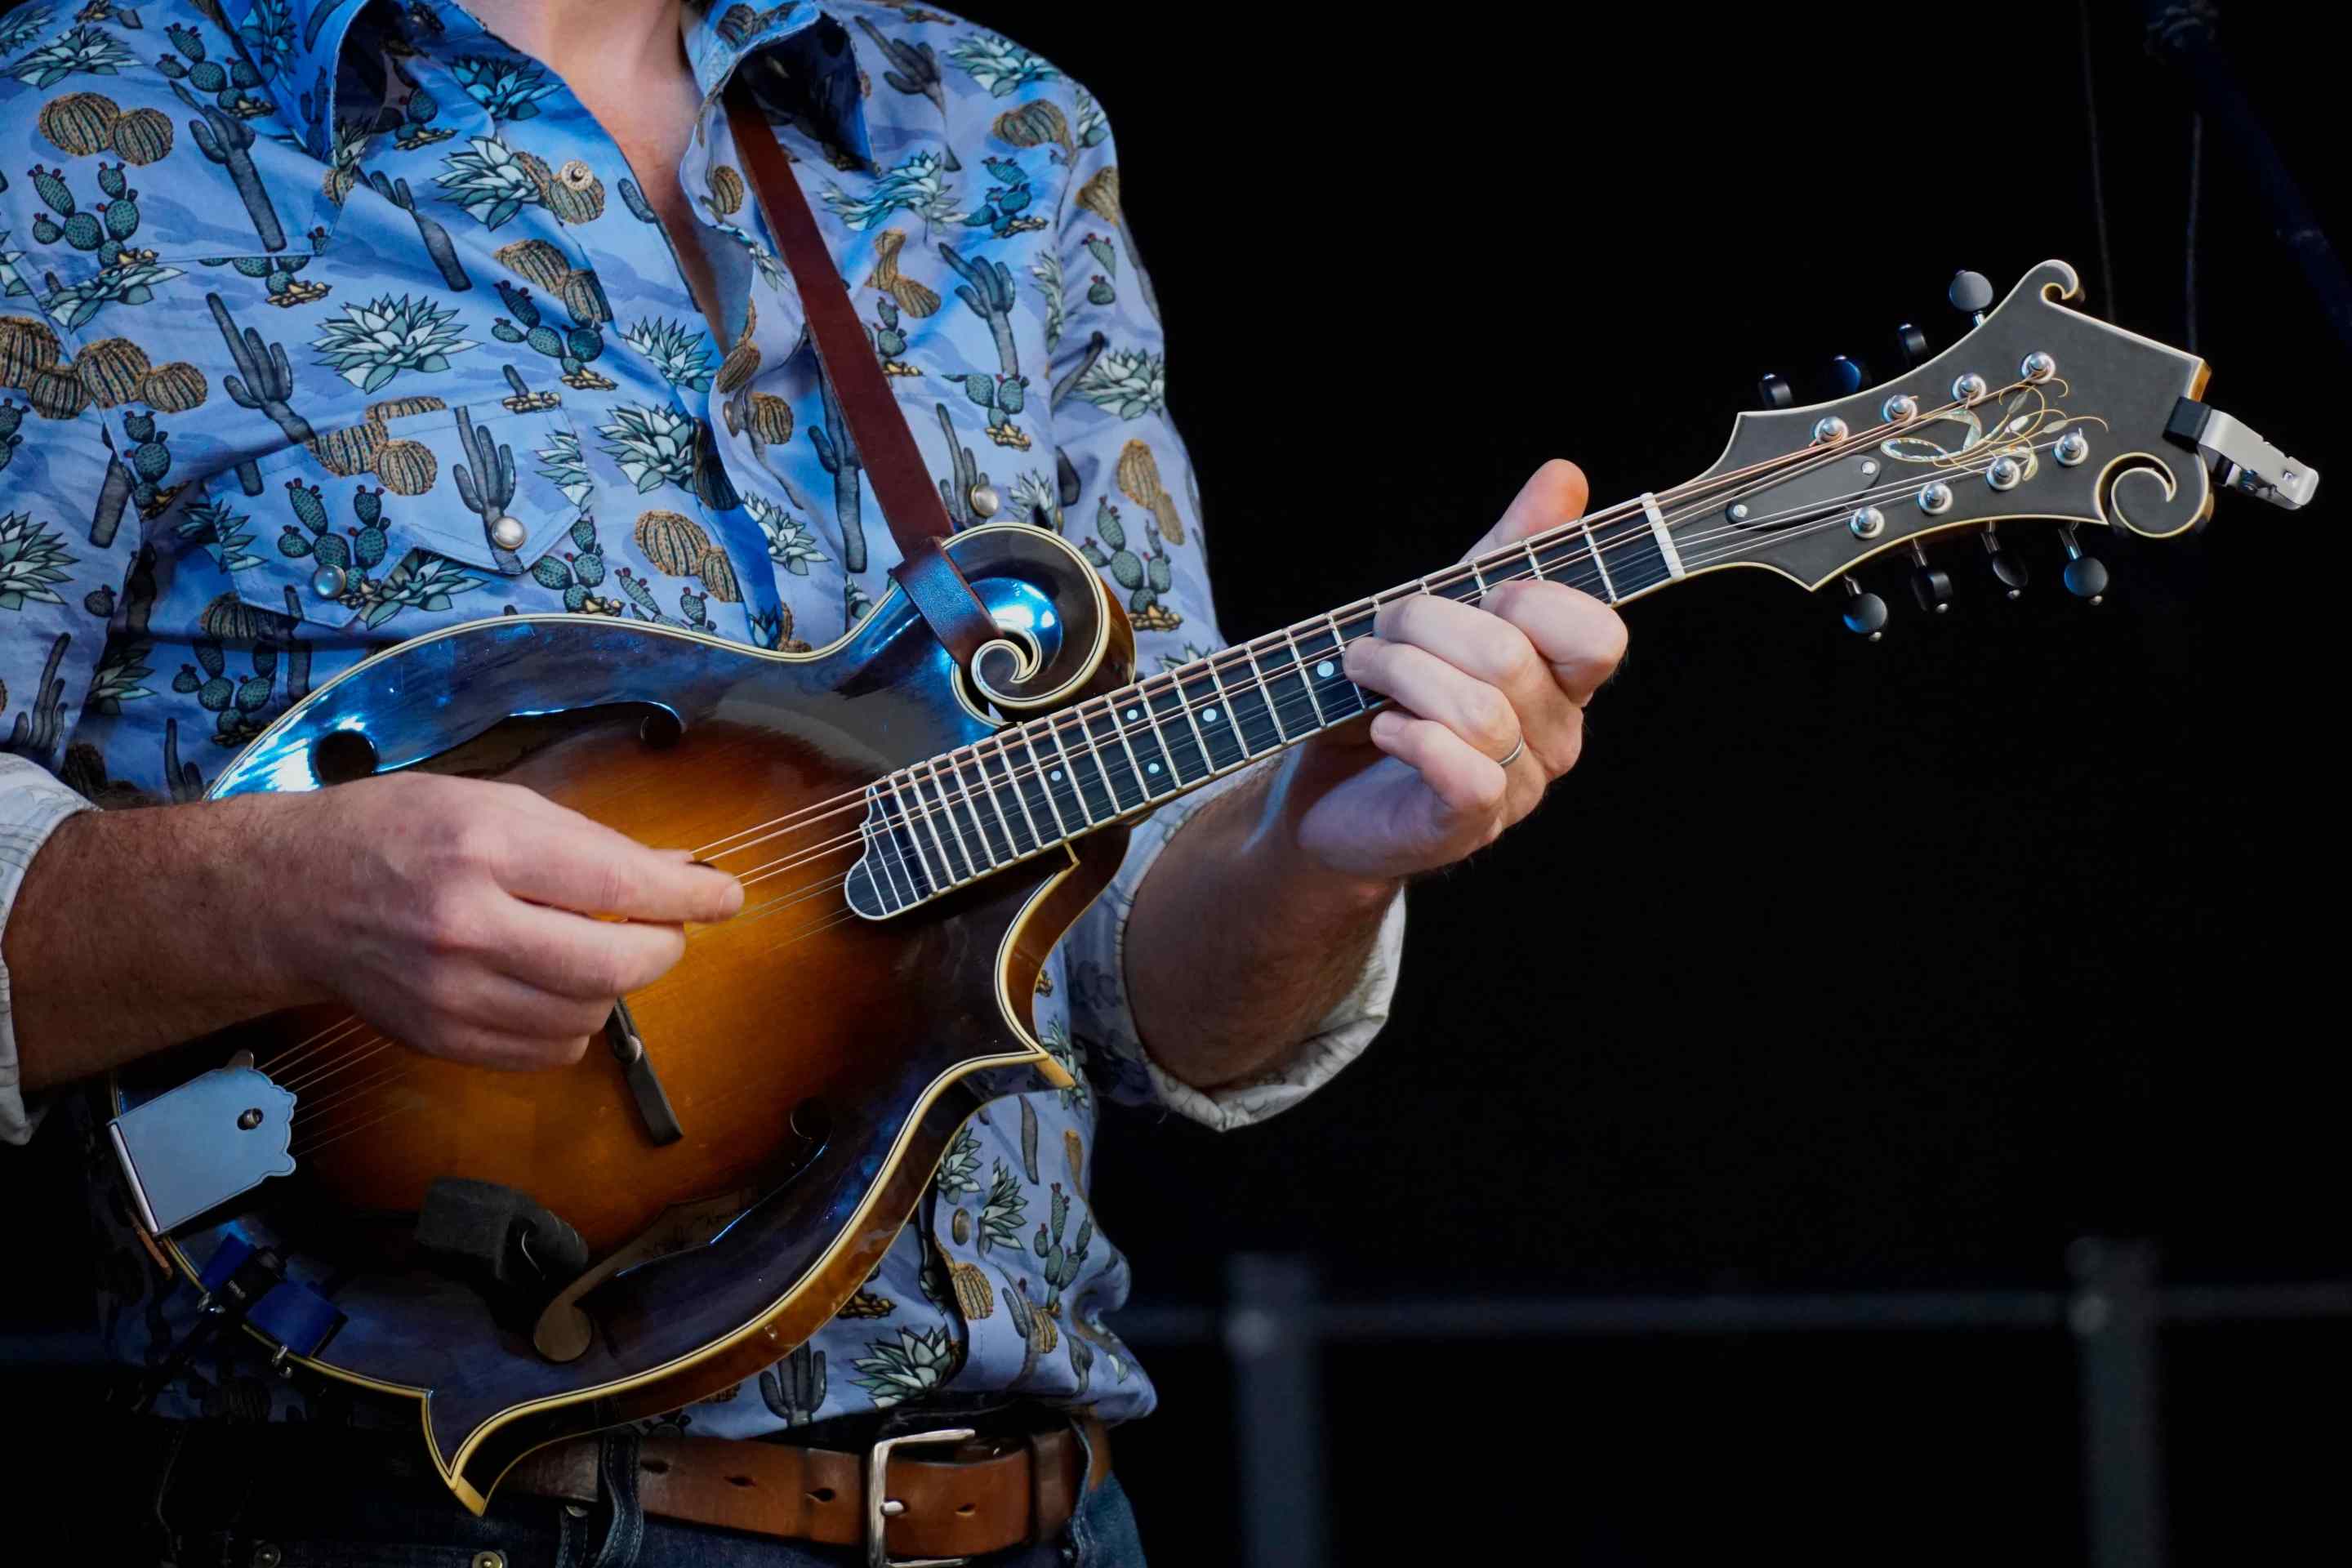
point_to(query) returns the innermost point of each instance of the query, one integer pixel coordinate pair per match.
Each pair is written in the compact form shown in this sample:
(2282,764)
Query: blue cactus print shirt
(301,302)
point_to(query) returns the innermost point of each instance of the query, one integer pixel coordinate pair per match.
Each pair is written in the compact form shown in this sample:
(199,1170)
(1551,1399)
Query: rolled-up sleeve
(32,804)
(1131,500)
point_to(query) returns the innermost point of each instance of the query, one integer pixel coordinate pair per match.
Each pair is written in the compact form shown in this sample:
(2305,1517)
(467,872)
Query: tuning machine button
(1930,584)
(1910,345)
(1971,295)
(1865,613)
(1848,374)
(1774,392)
(2086,575)
(2008,566)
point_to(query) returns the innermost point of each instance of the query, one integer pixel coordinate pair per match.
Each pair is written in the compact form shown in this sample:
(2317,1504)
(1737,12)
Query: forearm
(1237,944)
(135,930)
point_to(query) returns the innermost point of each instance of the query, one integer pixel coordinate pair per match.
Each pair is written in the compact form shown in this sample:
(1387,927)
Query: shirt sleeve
(67,531)
(1129,499)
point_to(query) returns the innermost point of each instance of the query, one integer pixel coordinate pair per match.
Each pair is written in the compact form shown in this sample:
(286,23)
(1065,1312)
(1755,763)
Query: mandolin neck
(937,824)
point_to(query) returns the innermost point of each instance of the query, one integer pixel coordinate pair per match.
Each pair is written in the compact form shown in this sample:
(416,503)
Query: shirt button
(507,533)
(984,501)
(327,581)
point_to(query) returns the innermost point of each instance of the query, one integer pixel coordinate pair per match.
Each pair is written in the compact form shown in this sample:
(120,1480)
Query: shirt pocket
(418,516)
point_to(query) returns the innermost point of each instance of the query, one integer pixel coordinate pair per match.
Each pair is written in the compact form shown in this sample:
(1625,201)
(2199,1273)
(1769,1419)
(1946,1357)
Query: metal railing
(1275,1321)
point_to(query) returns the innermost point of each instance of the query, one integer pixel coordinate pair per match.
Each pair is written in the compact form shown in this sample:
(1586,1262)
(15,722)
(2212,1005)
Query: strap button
(984,501)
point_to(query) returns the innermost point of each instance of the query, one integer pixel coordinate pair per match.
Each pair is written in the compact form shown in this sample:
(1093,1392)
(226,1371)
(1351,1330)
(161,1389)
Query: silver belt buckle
(880,1509)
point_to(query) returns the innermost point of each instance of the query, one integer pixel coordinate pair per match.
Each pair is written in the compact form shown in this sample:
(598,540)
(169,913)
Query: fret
(1246,700)
(1323,657)
(1095,795)
(1213,719)
(936,813)
(941,869)
(1120,763)
(1140,727)
(1608,589)
(963,818)
(1306,678)
(1011,783)
(1037,780)
(997,833)
(1188,753)
(1461,592)
(1289,713)
(1569,561)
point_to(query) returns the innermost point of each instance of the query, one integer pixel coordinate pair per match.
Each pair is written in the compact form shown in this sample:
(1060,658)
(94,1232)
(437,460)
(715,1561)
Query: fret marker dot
(1152,767)
(1209,714)
(1055,775)
(1133,715)
(1323,670)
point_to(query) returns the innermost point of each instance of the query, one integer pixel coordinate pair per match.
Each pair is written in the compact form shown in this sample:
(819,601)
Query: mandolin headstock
(2040,413)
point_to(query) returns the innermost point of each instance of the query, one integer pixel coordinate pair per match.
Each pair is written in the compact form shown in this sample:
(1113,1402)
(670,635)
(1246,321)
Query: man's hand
(1424,784)
(470,919)
(456,915)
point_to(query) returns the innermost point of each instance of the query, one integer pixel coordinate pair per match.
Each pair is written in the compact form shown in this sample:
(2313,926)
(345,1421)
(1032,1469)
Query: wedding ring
(1513,757)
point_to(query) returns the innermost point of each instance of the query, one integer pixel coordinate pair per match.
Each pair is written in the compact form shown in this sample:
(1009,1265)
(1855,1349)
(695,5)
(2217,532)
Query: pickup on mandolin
(914,837)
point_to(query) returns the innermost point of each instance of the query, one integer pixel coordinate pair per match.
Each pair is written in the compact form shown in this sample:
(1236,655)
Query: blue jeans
(378,1505)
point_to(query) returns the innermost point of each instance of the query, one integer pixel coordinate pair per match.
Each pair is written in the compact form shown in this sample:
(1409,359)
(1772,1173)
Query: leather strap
(983,1497)
(894,465)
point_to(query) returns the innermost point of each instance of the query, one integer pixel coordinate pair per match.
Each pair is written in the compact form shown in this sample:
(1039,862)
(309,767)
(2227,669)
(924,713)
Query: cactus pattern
(12,419)
(573,350)
(987,291)
(838,456)
(279,276)
(1060,1265)
(794,1387)
(1002,1213)
(889,342)
(438,244)
(956,490)
(228,141)
(1002,214)
(914,71)
(113,496)
(34,736)
(1145,576)
(578,572)
(230,84)
(488,487)
(151,459)
(263,380)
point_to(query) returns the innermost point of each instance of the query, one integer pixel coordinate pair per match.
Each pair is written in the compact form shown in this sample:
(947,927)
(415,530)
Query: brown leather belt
(987,1495)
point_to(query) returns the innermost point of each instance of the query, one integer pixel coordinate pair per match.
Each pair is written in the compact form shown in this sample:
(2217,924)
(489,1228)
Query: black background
(1834,965)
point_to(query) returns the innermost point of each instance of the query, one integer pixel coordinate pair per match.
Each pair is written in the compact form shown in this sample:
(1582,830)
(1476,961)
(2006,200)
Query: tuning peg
(1774,392)
(2086,575)
(1931,585)
(1971,295)
(1910,345)
(1865,613)
(2008,566)
(1848,374)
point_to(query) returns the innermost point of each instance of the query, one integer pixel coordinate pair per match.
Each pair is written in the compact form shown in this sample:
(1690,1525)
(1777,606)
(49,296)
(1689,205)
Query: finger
(1431,688)
(486,1048)
(1554,494)
(1580,639)
(470,996)
(589,960)
(1491,649)
(1469,786)
(576,863)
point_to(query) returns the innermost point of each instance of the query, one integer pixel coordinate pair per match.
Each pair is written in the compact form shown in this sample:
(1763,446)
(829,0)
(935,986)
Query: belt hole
(654,1466)
(822,1494)
(739,1480)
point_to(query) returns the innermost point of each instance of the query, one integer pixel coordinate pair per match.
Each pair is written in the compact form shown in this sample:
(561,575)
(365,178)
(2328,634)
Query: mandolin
(914,837)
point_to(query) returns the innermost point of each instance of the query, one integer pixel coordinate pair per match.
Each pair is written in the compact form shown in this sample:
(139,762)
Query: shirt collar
(298,43)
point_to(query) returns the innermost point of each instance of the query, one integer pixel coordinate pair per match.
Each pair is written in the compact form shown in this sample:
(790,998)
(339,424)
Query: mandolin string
(1771,471)
(952,794)
(953,791)
(1299,708)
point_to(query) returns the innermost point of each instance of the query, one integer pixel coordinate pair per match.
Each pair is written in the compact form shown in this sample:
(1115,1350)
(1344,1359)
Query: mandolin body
(817,1062)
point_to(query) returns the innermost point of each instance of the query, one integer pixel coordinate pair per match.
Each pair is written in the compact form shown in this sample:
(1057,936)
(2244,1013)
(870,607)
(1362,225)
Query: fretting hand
(1487,709)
